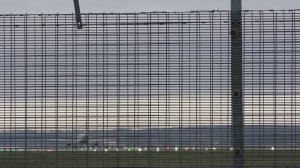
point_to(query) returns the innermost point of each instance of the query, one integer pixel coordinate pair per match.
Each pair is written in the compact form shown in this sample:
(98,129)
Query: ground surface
(257,159)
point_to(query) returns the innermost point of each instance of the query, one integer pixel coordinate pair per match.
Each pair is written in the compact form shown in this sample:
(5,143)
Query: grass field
(84,159)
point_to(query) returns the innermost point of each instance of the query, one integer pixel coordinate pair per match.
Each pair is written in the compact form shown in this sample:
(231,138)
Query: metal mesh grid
(145,89)
(271,87)
(128,90)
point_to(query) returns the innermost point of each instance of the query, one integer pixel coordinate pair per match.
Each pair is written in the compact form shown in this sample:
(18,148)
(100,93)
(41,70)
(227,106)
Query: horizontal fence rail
(146,89)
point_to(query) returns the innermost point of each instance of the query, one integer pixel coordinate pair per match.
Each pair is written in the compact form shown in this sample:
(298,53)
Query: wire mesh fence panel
(127,90)
(271,88)
(146,90)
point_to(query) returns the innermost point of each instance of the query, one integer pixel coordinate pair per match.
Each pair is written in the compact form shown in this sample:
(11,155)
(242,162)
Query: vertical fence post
(236,84)
(78,14)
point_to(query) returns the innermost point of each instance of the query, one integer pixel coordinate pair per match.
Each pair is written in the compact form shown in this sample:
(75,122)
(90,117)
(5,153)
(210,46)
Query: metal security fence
(271,87)
(147,90)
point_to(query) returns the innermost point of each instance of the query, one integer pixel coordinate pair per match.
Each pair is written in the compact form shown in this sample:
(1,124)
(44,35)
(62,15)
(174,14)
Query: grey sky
(66,6)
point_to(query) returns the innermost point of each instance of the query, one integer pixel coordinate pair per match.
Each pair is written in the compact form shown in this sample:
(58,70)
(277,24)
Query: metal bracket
(236,94)
(237,152)
(78,14)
